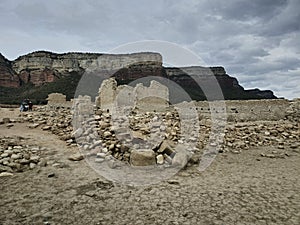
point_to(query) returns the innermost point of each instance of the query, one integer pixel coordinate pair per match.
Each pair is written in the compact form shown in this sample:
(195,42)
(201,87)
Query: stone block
(142,157)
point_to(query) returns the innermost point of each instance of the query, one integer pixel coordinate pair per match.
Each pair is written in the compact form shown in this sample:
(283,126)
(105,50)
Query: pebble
(76,157)
(15,156)
(32,165)
(160,159)
(51,175)
(107,134)
(101,155)
(99,160)
(6,174)
(5,154)
(46,128)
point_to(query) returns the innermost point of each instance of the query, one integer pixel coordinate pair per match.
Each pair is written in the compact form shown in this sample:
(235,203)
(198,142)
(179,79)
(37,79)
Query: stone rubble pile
(58,121)
(140,139)
(148,138)
(9,122)
(18,157)
(282,134)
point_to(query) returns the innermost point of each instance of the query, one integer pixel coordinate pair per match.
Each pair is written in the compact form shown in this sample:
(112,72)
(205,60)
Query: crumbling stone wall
(152,98)
(82,109)
(246,110)
(293,111)
(57,100)
(107,94)
(155,97)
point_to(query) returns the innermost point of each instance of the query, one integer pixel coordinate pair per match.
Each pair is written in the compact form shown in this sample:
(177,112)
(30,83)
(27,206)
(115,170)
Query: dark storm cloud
(251,10)
(257,41)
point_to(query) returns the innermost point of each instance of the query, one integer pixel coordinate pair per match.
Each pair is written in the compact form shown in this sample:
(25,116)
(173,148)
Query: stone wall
(107,94)
(152,98)
(56,100)
(293,111)
(247,110)
(156,98)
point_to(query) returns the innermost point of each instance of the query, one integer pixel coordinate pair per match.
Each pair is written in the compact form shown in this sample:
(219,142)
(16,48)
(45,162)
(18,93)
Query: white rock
(99,160)
(15,156)
(3,155)
(32,165)
(107,134)
(101,155)
(6,174)
(160,159)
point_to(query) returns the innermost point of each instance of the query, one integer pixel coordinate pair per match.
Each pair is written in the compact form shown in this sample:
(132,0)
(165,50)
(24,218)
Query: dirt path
(236,189)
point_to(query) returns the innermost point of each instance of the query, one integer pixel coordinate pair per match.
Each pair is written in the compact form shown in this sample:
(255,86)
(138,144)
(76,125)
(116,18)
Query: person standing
(30,104)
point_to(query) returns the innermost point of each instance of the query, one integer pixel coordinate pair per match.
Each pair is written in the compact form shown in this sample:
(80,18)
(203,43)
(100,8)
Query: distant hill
(40,73)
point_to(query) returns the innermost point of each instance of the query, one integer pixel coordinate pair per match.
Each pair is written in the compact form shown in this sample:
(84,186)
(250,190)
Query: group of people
(26,105)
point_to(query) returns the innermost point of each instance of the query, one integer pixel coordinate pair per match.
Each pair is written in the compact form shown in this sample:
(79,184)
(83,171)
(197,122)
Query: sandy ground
(240,188)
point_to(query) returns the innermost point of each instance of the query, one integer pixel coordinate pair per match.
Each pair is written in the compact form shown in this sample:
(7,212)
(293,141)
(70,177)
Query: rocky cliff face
(8,78)
(42,67)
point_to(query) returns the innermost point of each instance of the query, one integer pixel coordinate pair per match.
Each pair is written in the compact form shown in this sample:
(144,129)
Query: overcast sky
(257,41)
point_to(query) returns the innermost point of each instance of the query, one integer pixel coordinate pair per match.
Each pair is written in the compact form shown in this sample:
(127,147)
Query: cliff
(44,72)
(8,77)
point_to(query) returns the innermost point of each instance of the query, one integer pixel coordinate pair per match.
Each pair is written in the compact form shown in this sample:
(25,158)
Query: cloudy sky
(257,41)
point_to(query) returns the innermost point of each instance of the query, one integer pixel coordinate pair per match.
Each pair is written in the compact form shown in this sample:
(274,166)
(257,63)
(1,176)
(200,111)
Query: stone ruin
(82,109)
(56,100)
(127,125)
(103,138)
(126,117)
(113,97)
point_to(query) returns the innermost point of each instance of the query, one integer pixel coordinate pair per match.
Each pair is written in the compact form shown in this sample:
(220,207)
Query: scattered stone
(166,148)
(294,145)
(51,175)
(6,120)
(181,158)
(34,158)
(43,163)
(6,174)
(32,165)
(112,163)
(34,125)
(107,134)
(176,182)
(5,169)
(160,159)
(77,133)
(142,157)
(4,155)
(101,155)
(15,156)
(46,127)
(99,160)
(76,157)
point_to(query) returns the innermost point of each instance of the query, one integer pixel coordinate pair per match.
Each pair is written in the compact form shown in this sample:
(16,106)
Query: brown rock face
(8,77)
(41,77)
